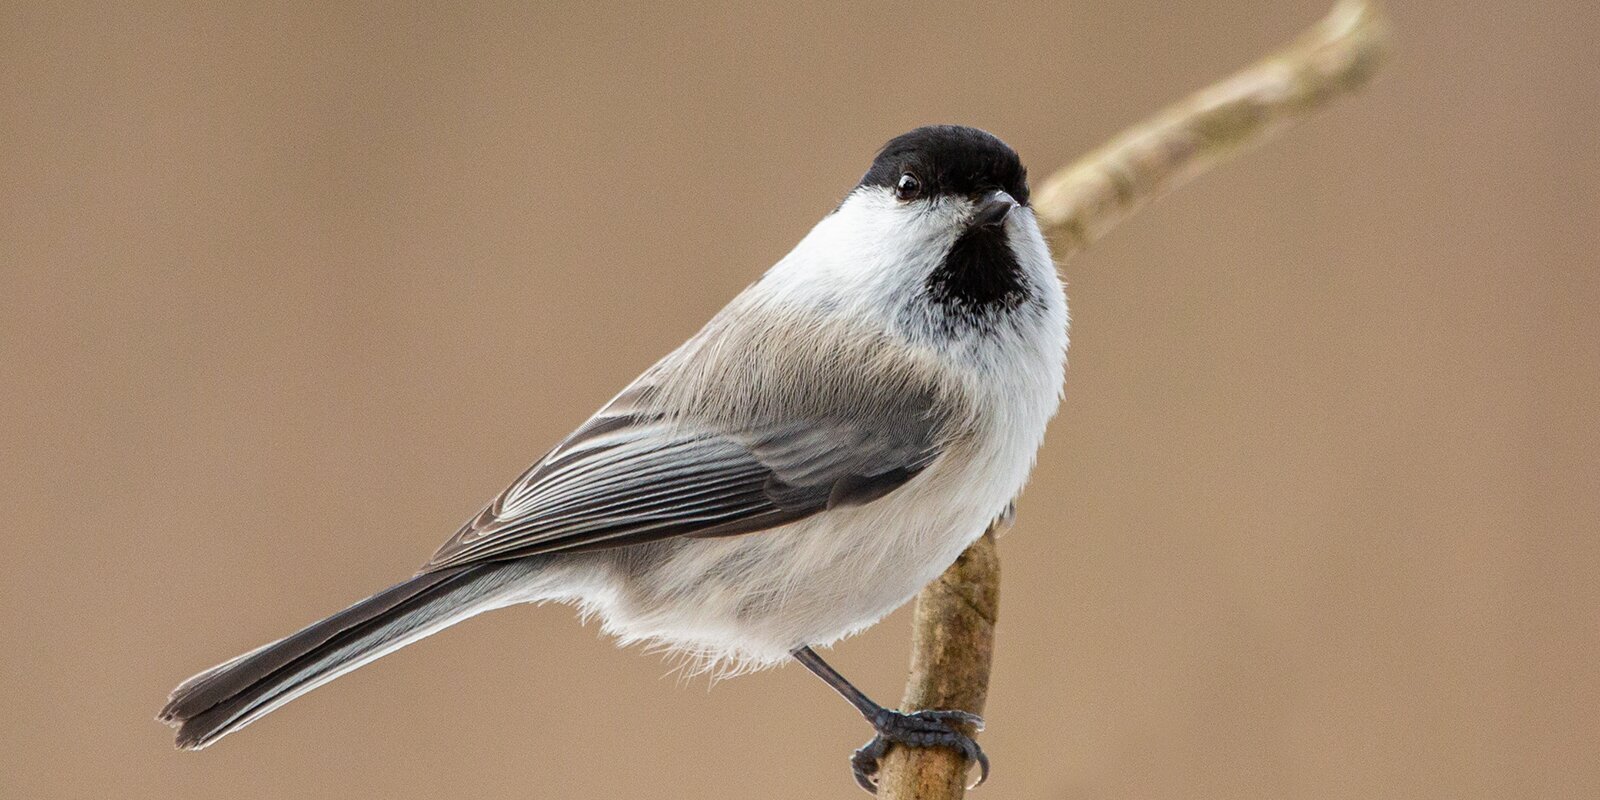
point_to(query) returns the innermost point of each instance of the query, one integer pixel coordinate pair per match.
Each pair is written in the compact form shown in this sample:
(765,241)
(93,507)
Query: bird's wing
(633,475)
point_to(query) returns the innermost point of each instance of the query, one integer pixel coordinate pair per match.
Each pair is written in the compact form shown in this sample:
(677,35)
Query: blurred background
(290,290)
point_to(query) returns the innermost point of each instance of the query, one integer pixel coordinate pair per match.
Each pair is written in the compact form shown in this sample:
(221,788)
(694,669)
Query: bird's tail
(234,694)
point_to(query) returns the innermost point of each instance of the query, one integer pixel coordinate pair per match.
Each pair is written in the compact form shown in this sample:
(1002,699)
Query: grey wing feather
(630,475)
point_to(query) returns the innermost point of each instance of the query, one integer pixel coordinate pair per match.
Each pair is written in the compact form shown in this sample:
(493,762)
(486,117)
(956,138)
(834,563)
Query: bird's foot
(917,729)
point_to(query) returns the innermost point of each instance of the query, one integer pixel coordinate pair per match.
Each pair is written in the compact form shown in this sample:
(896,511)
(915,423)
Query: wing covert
(632,475)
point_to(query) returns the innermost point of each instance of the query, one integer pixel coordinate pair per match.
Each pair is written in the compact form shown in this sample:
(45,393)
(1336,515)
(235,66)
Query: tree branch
(1079,204)
(952,638)
(952,642)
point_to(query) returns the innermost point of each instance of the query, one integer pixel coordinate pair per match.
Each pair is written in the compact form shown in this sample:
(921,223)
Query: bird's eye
(908,187)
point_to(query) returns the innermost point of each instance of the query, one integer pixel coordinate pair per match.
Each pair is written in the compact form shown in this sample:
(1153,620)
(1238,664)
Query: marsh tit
(823,448)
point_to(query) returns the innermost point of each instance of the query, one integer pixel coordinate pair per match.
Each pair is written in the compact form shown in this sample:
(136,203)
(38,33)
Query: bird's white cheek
(870,250)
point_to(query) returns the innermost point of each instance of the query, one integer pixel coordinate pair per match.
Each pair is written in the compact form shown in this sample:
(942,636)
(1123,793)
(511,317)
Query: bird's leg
(917,729)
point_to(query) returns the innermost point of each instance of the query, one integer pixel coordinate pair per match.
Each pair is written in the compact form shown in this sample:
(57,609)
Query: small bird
(803,465)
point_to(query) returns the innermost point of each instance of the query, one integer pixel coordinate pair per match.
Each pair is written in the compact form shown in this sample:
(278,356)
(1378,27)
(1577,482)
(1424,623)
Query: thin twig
(1079,204)
(952,643)
(952,638)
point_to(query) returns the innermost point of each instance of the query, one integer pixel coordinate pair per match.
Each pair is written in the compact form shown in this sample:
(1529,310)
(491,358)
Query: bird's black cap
(950,160)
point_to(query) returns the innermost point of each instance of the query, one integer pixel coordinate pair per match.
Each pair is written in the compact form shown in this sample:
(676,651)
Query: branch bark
(952,644)
(1336,56)
(952,640)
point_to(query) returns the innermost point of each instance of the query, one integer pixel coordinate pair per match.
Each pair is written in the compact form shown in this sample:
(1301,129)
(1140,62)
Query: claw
(983,767)
(936,728)
(864,763)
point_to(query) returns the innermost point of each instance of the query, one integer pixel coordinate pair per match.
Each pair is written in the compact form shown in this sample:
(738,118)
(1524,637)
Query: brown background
(288,291)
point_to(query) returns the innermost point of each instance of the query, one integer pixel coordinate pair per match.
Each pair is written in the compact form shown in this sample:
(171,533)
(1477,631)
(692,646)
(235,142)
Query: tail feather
(233,694)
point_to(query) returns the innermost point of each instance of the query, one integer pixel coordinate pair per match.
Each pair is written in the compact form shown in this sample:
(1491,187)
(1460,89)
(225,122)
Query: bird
(825,446)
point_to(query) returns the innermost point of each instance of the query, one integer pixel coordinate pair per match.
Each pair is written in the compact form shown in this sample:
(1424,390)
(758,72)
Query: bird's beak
(992,210)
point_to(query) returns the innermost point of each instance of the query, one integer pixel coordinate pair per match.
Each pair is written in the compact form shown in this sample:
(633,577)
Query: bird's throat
(980,275)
